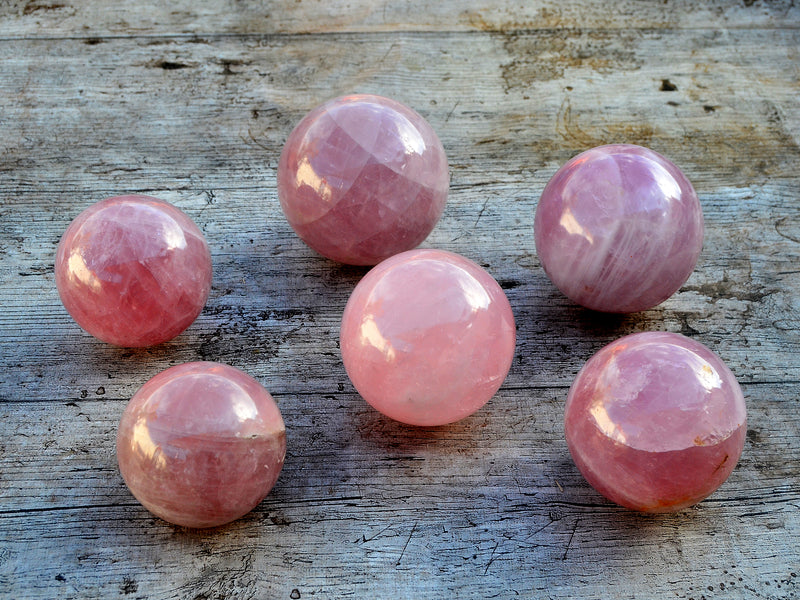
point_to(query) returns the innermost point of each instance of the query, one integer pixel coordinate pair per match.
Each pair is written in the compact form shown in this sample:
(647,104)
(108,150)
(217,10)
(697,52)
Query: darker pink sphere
(427,337)
(133,271)
(618,229)
(655,421)
(362,178)
(201,444)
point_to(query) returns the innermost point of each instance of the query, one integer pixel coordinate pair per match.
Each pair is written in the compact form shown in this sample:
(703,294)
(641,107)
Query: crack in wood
(403,552)
(569,541)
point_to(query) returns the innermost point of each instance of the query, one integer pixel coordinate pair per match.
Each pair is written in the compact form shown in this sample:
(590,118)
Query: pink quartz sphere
(201,444)
(133,271)
(427,337)
(362,178)
(655,421)
(618,229)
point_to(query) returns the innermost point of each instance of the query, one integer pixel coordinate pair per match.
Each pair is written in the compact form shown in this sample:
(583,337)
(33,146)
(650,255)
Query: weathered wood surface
(192,101)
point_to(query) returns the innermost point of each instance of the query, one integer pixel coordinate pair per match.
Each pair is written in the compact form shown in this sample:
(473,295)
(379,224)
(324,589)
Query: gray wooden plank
(215,157)
(97,18)
(489,506)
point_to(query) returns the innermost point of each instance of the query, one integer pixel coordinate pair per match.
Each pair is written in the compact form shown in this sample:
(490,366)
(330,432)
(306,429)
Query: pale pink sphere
(201,444)
(427,337)
(619,229)
(362,178)
(133,270)
(655,421)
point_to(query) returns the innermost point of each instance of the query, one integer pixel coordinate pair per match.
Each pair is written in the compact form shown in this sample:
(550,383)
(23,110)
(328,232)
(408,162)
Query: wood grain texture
(192,101)
(64,18)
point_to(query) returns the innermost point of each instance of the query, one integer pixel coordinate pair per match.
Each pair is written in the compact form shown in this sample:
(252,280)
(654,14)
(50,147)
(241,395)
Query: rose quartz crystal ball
(133,271)
(201,444)
(362,178)
(618,229)
(427,337)
(655,422)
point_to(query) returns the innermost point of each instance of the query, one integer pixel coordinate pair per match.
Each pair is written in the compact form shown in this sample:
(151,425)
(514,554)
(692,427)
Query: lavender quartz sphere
(618,229)
(133,270)
(427,337)
(655,421)
(201,444)
(362,178)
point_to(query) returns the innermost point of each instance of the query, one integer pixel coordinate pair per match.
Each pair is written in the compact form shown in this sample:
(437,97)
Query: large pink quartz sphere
(201,444)
(618,229)
(133,270)
(427,337)
(655,421)
(362,178)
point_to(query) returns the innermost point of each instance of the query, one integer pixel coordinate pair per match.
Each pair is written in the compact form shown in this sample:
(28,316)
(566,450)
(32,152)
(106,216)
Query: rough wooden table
(192,101)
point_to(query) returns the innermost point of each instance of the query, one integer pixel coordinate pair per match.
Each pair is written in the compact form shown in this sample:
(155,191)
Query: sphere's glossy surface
(427,337)
(362,178)
(201,444)
(133,270)
(655,421)
(618,229)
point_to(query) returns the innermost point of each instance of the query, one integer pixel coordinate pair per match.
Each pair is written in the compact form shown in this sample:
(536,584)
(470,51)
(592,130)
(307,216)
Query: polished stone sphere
(427,337)
(618,229)
(655,421)
(133,270)
(362,178)
(201,444)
